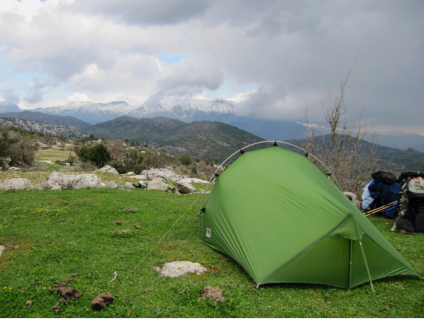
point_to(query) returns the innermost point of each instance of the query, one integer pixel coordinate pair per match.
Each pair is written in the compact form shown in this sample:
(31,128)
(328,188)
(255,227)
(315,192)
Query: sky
(275,58)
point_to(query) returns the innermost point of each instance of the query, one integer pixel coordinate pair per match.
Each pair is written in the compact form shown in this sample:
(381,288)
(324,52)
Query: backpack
(411,201)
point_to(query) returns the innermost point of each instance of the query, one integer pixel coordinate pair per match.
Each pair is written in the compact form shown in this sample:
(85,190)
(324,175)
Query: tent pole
(366,264)
(350,265)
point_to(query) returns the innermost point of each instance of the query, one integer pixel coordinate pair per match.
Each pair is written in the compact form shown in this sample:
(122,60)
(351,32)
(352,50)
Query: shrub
(99,155)
(194,170)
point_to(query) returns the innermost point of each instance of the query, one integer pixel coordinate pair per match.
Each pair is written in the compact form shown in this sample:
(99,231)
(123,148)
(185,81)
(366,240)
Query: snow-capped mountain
(90,112)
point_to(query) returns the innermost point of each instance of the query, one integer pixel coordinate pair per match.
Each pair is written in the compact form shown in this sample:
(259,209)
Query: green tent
(284,221)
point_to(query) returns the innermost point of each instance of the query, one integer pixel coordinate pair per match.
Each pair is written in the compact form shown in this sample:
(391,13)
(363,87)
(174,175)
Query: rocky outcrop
(164,173)
(107,169)
(16,184)
(72,182)
(127,186)
(184,187)
(157,184)
(56,130)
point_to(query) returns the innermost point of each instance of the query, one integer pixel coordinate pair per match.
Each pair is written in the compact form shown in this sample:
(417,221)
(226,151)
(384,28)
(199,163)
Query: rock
(213,293)
(29,303)
(138,227)
(56,188)
(128,174)
(69,293)
(143,184)
(102,185)
(184,188)
(194,180)
(139,176)
(107,169)
(180,268)
(111,184)
(74,275)
(72,182)
(46,161)
(67,164)
(121,231)
(86,181)
(131,209)
(1,249)
(102,301)
(16,184)
(128,185)
(164,173)
(119,222)
(12,168)
(157,184)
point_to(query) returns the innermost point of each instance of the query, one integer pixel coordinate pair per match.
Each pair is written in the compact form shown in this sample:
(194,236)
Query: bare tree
(342,150)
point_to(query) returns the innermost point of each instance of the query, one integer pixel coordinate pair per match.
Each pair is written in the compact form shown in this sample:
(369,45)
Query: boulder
(164,173)
(127,186)
(72,182)
(194,180)
(111,185)
(139,176)
(12,168)
(102,185)
(107,169)
(157,184)
(185,188)
(180,268)
(16,184)
(143,184)
(128,174)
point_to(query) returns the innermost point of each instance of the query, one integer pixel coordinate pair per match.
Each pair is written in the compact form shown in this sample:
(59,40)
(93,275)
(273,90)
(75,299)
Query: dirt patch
(102,301)
(131,209)
(213,293)
(69,293)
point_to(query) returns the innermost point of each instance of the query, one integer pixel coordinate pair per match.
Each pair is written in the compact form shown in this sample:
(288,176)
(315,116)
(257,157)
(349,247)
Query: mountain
(89,112)
(203,139)
(46,118)
(402,141)
(9,107)
(404,160)
(32,126)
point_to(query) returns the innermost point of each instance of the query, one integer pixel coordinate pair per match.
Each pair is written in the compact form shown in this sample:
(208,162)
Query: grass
(53,155)
(61,233)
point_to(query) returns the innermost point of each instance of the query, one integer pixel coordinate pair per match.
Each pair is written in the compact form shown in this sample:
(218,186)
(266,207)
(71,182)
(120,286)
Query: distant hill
(409,159)
(47,118)
(199,139)
(9,107)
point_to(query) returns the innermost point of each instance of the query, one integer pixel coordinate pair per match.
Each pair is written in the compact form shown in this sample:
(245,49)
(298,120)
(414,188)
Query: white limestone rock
(107,169)
(180,268)
(185,188)
(16,184)
(157,184)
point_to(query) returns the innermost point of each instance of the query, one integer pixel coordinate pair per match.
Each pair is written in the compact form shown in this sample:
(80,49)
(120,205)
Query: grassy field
(61,233)
(53,155)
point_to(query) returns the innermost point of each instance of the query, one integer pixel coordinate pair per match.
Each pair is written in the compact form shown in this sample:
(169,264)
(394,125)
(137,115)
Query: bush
(194,170)
(99,155)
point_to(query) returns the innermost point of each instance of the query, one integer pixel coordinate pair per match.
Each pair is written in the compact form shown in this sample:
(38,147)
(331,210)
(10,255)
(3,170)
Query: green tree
(186,160)
(99,155)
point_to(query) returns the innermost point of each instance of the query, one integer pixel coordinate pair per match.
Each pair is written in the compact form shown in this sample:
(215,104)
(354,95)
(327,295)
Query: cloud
(10,96)
(35,94)
(185,79)
(146,12)
(293,52)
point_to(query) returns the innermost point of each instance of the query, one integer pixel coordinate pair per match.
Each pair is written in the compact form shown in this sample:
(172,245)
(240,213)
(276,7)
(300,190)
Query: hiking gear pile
(411,203)
(383,190)
(284,221)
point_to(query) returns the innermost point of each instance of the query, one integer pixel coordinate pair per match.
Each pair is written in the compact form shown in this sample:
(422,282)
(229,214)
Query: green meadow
(50,235)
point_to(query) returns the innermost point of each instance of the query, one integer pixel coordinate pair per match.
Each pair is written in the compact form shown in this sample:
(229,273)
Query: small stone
(29,303)
(138,227)
(74,275)
(119,222)
(16,247)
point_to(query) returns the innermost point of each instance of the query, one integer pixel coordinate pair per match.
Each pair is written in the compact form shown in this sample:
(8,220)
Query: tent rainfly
(284,221)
